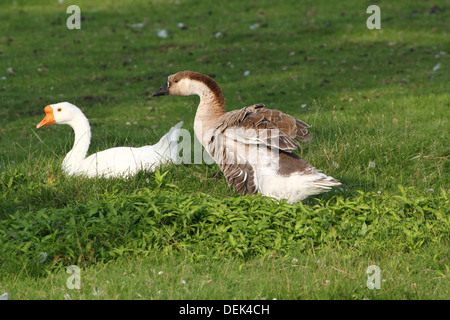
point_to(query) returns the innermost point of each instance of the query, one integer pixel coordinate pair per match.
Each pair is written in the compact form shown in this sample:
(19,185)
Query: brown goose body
(253,146)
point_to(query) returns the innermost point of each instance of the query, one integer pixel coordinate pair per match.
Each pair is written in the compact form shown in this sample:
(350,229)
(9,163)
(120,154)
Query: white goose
(114,162)
(252,146)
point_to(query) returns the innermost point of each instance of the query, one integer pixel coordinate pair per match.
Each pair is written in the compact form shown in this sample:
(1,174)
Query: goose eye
(59,109)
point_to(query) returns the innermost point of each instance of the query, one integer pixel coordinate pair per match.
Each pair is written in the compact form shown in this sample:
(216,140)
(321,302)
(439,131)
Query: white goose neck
(74,158)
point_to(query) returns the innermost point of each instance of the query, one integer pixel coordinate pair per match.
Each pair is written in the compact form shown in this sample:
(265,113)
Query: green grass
(325,274)
(379,117)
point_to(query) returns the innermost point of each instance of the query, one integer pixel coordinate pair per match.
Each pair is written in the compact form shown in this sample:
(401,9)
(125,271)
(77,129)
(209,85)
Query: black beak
(163,91)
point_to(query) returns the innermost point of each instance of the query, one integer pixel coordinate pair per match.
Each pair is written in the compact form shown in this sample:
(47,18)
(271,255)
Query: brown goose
(253,146)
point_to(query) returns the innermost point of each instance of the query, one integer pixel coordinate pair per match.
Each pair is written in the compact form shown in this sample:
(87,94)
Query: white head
(61,113)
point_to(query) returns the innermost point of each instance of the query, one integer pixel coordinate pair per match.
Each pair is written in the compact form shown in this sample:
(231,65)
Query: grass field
(377,101)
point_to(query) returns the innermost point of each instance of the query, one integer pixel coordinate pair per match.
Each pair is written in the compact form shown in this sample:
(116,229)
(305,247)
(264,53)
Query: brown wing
(238,172)
(291,126)
(268,126)
(253,125)
(241,177)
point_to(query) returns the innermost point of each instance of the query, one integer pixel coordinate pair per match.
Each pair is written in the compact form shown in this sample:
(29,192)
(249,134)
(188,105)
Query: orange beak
(49,117)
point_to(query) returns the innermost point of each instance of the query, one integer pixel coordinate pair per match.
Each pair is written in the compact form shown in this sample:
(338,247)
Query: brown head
(188,83)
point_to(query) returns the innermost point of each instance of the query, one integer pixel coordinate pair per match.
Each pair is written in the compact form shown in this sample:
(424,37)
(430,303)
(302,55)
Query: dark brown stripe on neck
(209,82)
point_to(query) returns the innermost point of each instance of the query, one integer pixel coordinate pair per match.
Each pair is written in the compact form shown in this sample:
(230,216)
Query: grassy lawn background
(377,100)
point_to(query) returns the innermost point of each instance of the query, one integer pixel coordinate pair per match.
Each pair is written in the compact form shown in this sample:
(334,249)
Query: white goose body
(114,162)
(252,146)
